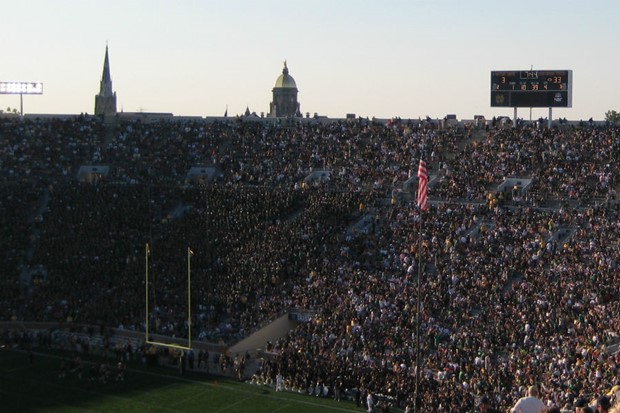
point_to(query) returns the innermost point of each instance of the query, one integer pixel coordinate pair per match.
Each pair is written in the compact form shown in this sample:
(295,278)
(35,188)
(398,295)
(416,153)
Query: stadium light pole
(21,89)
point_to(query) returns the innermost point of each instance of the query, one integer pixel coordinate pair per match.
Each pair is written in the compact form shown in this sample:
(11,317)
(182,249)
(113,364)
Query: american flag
(422,186)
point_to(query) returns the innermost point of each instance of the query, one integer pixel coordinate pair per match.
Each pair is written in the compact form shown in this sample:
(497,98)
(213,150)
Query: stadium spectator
(485,405)
(530,403)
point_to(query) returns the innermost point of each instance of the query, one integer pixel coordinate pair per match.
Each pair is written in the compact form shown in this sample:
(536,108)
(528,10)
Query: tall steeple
(105,101)
(106,79)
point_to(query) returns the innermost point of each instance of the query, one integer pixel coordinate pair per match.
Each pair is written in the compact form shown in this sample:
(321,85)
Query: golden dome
(285,81)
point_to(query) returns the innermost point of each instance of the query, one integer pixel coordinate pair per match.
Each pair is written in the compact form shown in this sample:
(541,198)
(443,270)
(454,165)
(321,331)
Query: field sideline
(27,386)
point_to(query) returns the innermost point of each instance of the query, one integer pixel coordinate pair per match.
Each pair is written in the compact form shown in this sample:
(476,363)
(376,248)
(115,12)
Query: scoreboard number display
(532,88)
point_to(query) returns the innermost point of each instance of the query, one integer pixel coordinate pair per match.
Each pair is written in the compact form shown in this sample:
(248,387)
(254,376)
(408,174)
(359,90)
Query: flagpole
(422,203)
(417,320)
(146,277)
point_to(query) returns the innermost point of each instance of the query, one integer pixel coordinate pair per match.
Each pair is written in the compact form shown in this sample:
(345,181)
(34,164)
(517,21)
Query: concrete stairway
(259,339)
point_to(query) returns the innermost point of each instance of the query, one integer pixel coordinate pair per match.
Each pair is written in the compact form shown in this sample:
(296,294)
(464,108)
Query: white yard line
(284,406)
(232,404)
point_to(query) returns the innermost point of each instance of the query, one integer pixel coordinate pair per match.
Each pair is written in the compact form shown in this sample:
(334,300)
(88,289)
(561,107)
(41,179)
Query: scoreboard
(532,88)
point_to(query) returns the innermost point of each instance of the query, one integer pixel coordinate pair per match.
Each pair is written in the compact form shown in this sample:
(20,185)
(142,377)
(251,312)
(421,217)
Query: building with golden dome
(284,104)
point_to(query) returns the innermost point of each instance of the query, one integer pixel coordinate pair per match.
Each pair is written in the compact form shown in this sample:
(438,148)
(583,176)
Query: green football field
(33,385)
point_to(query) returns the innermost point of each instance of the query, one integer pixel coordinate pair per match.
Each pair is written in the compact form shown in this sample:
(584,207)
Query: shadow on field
(49,381)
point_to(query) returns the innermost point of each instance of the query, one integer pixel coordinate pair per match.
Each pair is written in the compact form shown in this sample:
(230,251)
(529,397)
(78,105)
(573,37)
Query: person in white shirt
(279,382)
(369,402)
(530,403)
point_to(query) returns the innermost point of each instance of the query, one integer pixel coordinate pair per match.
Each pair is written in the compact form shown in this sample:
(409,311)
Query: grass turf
(34,386)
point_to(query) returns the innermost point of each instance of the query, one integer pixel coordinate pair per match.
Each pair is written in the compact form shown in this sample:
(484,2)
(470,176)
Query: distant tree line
(612,116)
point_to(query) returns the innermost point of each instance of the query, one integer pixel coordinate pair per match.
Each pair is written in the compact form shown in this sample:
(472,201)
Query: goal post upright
(189,298)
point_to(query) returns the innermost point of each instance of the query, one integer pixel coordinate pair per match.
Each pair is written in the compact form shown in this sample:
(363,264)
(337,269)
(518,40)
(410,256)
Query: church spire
(106,79)
(105,101)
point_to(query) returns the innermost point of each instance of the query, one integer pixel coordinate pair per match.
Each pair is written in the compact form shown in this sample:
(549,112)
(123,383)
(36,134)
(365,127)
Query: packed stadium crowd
(569,163)
(512,294)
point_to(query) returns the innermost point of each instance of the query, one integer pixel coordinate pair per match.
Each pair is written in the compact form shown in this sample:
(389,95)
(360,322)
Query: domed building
(284,104)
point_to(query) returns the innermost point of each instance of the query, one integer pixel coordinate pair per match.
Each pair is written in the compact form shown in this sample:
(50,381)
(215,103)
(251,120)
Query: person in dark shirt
(485,405)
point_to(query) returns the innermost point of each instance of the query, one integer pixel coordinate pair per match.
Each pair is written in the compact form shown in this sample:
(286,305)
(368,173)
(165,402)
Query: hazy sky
(383,58)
